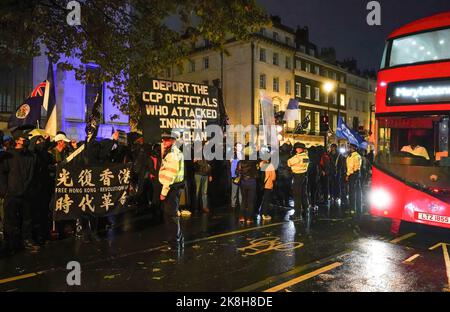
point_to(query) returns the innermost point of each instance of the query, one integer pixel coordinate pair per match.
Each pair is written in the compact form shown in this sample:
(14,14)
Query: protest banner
(90,190)
(180,106)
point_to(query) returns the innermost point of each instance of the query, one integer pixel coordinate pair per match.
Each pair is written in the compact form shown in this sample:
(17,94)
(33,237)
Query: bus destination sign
(436,91)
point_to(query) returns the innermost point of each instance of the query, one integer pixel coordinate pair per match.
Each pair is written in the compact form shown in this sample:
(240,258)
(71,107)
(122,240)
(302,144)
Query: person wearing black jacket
(202,170)
(248,174)
(18,168)
(44,184)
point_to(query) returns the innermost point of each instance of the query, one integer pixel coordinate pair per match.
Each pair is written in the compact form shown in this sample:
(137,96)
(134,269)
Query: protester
(248,173)
(353,177)
(18,168)
(337,174)
(171,177)
(283,186)
(325,169)
(236,194)
(299,164)
(202,171)
(268,183)
(314,176)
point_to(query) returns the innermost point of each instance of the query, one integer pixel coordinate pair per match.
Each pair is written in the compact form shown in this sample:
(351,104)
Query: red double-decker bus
(411,173)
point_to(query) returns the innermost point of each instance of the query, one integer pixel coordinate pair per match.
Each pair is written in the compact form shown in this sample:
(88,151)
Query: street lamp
(328,87)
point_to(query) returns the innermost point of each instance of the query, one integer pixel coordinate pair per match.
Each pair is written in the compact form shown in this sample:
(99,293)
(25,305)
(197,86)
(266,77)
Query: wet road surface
(327,251)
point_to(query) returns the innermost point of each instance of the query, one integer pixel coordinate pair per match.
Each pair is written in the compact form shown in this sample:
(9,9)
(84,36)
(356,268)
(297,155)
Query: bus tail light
(380,198)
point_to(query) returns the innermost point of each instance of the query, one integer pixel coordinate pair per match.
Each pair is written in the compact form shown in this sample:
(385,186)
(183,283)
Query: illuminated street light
(328,87)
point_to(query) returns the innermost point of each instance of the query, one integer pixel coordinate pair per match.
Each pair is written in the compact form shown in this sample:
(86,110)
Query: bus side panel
(407,203)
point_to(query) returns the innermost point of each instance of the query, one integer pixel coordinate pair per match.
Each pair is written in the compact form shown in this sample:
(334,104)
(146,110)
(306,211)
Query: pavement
(328,251)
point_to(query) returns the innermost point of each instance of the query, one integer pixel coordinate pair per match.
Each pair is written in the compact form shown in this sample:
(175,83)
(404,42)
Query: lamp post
(328,87)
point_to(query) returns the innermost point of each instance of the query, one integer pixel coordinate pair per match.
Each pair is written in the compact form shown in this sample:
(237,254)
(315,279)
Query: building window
(325,97)
(262,55)
(302,49)
(308,92)
(191,66)
(288,41)
(317,70)
(349,103)
(308,113)
(288,87)
(205,62)
(312,52)
(357,105)
(262,81)
(316,94)
(334,76)
(364,107)
(298,64)
(288,62)
(308,67)
(275,59)
(298,89)
(334,98)
(262,31)
(342,99)
(276,84)
(316,122)
(275,36)
(325,73)
(335,123)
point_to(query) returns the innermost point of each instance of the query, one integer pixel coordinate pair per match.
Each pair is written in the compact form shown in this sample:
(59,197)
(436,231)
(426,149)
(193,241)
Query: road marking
(411,259)
(447,262)
(401,238)
(29,275)
(303,277)
(19,277)
(238,231)
(265,244)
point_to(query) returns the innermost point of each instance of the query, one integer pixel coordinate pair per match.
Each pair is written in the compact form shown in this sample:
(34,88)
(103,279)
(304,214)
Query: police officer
(353,177)
(299,165)
(171,177)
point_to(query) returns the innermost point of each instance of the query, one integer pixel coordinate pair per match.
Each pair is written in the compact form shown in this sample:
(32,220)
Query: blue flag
(291,110)
(29,112)
(344,132)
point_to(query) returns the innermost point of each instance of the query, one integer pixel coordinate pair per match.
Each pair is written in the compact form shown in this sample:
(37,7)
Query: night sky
(342,23)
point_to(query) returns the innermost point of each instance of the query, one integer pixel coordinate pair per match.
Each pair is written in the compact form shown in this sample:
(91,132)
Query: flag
(303,125)
(94,120)
(344,132)
(29,113)
(50,102)
(292,110)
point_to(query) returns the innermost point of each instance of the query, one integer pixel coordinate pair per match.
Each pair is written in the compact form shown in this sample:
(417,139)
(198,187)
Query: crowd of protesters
(253,188)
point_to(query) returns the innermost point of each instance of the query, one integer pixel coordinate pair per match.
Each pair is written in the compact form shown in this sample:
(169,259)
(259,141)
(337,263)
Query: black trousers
(283,189)
(171,206)
(324,186)
(248,188)
(354,188)
(18,221)
(300,192)
(266,201)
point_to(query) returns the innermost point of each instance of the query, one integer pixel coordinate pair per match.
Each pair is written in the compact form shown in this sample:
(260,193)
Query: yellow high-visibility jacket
(172,170)
(354,162)
(299,163)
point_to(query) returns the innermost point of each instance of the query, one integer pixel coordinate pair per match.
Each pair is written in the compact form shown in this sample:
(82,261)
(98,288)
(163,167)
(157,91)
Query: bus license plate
(432,218)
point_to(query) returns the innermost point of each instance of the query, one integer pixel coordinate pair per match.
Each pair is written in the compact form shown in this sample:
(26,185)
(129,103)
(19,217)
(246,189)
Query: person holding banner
(353,178)
(171,177)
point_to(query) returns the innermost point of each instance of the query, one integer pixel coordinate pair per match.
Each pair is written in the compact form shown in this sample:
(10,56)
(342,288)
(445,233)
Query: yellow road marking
(399,239)
(447,262)
(411,259)
(303,277)
(19,277)
(237,232)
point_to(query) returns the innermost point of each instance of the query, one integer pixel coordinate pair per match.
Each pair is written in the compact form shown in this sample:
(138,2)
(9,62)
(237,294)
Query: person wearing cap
(17,168)
(60,152)
(299,165)
(353,178)
(171,177)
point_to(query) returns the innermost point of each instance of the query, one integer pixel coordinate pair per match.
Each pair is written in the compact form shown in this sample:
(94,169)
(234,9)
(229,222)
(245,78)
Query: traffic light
(324,123)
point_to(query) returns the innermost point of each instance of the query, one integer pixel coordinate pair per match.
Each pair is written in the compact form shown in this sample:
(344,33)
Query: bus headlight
(380,198)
